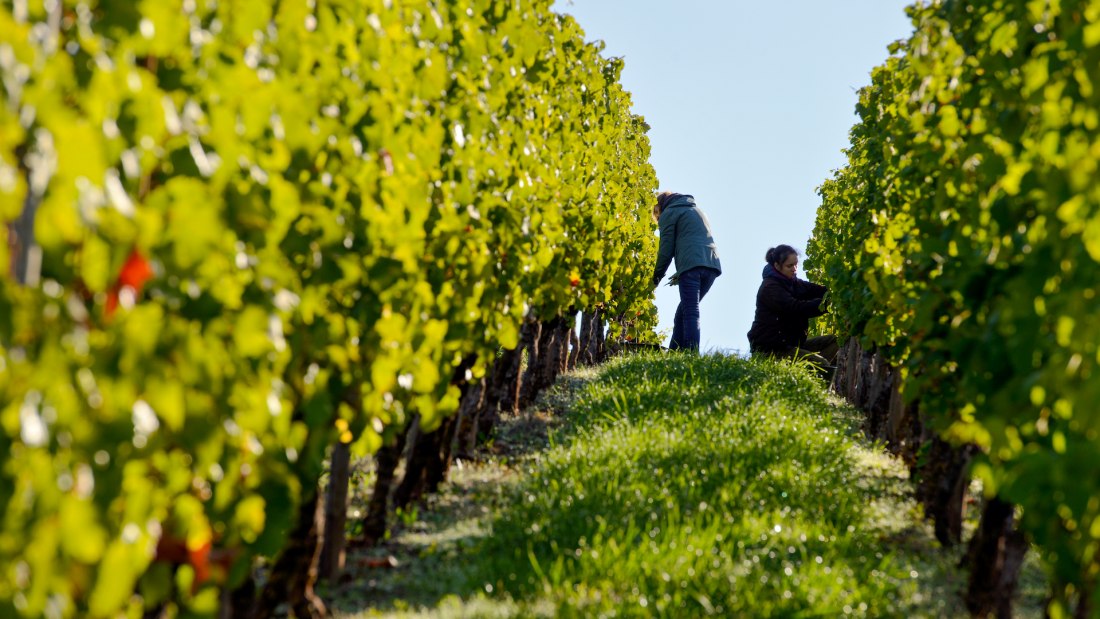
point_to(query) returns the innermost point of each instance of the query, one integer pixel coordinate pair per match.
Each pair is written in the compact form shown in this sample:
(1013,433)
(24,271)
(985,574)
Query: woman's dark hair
(779,254)
(663,199)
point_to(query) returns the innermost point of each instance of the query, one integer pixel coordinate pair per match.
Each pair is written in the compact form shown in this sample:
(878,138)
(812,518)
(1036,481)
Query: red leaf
(388,562)
(135,272)
(199,558)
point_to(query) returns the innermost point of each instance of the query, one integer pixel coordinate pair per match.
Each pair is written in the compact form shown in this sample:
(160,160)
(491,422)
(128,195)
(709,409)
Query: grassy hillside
(673,485)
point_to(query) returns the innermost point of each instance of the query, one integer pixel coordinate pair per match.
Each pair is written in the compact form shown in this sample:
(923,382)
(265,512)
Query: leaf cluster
(963,240)
(336,201)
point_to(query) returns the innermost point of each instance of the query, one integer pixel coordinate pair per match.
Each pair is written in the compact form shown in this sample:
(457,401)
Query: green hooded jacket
(685,236)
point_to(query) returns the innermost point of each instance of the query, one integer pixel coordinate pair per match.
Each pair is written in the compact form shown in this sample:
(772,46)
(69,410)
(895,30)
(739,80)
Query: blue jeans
(694,285)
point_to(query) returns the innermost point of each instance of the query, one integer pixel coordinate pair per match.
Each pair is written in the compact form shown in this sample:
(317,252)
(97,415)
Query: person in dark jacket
(685,236)
(784,307)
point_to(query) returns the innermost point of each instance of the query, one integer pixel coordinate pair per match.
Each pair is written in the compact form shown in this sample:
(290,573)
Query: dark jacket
(784,308)
(685,235)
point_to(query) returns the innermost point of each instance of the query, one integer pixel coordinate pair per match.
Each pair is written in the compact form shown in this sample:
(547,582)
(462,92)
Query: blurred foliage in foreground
(235,232)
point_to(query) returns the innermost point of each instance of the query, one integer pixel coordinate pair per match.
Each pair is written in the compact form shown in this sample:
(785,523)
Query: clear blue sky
(750,104)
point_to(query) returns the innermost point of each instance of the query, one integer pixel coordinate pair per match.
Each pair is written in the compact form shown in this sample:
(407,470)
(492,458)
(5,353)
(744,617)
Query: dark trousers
(694,285)
(821,350)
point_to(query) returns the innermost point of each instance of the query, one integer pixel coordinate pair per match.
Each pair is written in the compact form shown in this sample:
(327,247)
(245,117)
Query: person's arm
(808,290)
(667,247)
(820,294)
(779,300)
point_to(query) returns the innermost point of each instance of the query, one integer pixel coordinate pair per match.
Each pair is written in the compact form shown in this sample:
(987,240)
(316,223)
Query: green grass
(675,485)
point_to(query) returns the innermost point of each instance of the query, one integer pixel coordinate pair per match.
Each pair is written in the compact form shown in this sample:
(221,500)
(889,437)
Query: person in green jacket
(685,236)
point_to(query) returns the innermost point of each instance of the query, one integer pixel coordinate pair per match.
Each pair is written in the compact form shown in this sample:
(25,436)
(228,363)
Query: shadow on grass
(898,520)
(427,558)
(421,563)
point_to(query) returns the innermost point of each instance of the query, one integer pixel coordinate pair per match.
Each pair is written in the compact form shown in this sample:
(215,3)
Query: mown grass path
(671,485)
